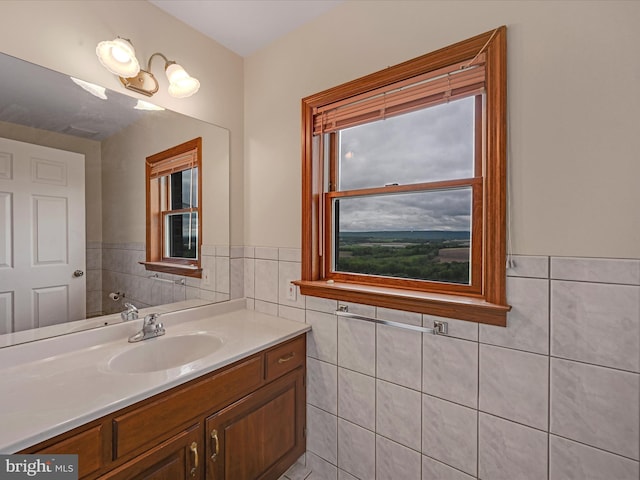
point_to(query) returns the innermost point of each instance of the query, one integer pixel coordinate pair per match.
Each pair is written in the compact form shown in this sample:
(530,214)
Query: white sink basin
(164,353)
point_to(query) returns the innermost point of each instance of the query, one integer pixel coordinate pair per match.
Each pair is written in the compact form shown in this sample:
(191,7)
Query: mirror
(42,107)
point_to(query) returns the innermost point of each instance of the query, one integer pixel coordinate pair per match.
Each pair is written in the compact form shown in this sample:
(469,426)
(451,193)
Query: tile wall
(555,395)
(119,270)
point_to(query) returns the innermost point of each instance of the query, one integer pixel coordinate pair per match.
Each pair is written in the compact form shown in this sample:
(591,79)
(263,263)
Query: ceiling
(245,26)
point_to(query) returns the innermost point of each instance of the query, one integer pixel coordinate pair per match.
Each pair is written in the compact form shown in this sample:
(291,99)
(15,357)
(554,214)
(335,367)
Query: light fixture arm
(167,62)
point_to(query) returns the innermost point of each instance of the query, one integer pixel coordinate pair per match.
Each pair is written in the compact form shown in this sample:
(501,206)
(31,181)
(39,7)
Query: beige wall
(62,35)
(573,99)
(123,154)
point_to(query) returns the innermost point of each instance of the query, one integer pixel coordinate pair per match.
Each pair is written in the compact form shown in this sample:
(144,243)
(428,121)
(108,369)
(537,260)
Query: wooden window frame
(486,301)
(155,260)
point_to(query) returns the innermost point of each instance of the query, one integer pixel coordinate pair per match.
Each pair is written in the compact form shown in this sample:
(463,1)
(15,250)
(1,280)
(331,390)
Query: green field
(435,256)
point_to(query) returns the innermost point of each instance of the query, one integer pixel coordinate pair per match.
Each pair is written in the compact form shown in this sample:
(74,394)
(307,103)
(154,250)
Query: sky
(428,145)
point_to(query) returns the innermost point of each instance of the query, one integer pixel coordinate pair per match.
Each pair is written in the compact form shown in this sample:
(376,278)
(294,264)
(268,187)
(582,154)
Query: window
(174,218)
(404,185)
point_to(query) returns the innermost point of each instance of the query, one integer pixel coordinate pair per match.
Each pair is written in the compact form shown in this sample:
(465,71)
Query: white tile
(434,470)
(237,278)
(322,434)
(223,275)
(236,252)
(596,405)
(322,385)
(266,253)
(571,460)
(222,251)
(450,369)
(321,304)
(398,411)
(399,316)
(529,266)
(290,254)
(450,433)
(290,313)
(527,322)
(399,356)
(394,461)
(596,323)
(356,450)
(601,270)
(249,277)
(357,345)
(342,475)
(515,385)
(249,252)
(322,340)
(320,468)
(287,273)
(507,450)
(266,280)
(356,398)
(266,307)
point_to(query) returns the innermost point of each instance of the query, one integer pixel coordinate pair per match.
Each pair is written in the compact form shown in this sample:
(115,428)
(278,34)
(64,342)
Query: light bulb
(181,84)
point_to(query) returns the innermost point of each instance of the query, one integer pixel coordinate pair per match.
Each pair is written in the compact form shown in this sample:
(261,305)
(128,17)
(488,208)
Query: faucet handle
(151,318)
(131,307)
(131,313)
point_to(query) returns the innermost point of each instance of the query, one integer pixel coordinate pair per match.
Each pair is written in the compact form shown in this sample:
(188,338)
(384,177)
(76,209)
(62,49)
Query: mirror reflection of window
(174,225)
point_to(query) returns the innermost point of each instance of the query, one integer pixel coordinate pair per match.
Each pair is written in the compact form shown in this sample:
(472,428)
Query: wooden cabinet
(245,421)
(259,436)
(177,458)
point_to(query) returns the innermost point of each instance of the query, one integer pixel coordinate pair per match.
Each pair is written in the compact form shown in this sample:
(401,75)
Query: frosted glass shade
(119,57)
(181,84)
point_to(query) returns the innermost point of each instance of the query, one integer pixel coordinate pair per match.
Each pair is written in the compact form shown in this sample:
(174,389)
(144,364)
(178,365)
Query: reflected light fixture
(142,105)
(92,88)
(118,57)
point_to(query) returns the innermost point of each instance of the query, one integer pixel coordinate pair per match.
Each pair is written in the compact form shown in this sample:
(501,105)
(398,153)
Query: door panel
(42,237)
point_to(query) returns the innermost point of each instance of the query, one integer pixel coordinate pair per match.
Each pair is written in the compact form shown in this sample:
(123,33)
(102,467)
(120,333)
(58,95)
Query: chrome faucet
(150,329)
(131,313)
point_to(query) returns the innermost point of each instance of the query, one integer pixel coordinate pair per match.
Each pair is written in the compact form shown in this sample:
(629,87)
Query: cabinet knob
(216,447)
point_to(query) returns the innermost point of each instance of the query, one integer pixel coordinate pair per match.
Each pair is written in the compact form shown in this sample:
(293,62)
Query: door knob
(78,273)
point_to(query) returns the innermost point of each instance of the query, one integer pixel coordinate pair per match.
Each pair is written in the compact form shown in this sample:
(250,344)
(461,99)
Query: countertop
(51,386)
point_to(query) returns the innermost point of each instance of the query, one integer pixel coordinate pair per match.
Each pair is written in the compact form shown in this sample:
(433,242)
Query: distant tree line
(417,260)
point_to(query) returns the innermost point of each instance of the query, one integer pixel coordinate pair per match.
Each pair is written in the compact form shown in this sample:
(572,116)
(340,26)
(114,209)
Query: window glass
(184,189)
(428,145)
(422,235)
(181,230)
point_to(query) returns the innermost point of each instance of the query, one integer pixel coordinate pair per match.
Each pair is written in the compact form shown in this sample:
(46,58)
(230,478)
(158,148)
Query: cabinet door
(178,458)
(260,436)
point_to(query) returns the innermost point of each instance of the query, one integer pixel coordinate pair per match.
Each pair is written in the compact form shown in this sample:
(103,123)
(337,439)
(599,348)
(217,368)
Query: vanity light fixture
(118,57)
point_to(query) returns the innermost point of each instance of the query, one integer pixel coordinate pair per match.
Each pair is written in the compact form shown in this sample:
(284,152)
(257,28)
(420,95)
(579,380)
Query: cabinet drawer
(284,358)
(146,425)
(87,445)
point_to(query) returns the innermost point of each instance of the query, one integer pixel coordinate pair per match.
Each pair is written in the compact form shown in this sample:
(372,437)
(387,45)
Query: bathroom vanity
(237,413)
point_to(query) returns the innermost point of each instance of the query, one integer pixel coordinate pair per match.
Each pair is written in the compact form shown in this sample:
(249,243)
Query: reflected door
(42,236)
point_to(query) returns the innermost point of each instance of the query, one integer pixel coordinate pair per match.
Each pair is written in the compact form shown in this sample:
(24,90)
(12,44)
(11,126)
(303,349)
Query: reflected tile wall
(555,395)
(121,272)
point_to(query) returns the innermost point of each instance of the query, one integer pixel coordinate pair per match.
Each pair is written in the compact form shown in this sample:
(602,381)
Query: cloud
(427,145)
(423,146)
(437,210)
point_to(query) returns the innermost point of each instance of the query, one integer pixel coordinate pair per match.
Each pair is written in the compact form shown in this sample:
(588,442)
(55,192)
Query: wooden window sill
(442,305)
(173,268)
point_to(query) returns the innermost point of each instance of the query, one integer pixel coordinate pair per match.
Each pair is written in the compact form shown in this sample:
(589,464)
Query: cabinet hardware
(194,449)
(214,436)
(286,358)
